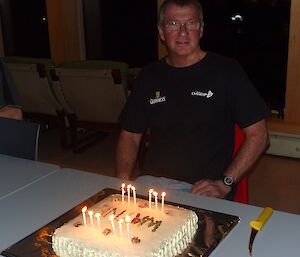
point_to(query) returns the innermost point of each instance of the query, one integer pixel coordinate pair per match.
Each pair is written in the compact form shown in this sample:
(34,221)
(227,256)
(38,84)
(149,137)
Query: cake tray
(213,227)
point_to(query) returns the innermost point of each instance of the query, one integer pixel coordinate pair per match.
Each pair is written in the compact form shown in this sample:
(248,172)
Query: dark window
(121,30)
(255,32)
(25,28)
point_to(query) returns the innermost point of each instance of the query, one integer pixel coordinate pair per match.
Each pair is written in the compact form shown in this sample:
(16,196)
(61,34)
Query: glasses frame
(189,25)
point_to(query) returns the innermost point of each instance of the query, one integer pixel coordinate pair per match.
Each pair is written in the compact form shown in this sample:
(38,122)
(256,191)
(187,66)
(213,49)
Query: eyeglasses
(176,25)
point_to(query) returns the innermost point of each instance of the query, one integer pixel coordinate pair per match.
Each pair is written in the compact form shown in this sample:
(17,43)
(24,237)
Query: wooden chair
(39,101)
(19,138)
(96,92)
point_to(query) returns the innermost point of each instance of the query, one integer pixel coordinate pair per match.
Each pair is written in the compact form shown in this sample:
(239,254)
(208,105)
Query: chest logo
(158,98)
(209,94)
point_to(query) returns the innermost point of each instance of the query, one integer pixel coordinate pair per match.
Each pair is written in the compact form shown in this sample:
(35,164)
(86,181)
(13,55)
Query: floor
(274,181)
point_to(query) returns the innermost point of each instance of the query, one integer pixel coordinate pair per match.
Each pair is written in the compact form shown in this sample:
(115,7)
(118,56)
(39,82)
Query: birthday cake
(114,228)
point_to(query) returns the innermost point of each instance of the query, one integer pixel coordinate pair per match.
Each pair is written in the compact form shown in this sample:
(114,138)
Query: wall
(66,34)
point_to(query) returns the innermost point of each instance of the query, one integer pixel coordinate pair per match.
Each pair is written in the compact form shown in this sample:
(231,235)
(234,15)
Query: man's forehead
(185,12)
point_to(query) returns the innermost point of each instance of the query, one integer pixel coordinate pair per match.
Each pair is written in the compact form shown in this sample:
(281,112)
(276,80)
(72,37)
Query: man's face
(179,31)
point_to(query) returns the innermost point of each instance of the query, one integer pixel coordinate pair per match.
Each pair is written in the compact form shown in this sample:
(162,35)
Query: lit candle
(128,192)
(134,194)
(163,194)
(127,220)
(83,214)
(121,221)
(98,215)
(111,218)
(91,218)
(155,194)
(150,196)
(123,191)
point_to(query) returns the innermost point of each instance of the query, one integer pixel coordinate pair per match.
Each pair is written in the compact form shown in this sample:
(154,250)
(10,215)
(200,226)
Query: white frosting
(176,231)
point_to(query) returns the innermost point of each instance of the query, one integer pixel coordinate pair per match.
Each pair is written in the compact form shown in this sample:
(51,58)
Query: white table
(17,173)
(27,210)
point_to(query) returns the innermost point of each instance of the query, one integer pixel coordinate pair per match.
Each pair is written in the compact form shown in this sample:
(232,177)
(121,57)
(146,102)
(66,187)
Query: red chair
(242,187)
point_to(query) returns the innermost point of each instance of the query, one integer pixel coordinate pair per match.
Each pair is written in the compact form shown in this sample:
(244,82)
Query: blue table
(16,173)
(36,205)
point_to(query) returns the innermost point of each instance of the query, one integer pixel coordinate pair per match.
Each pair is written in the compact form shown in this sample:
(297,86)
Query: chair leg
(86,140)
(63,129)
(73,130)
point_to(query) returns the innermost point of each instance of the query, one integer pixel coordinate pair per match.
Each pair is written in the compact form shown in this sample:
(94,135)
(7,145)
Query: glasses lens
(176,25)
(172,25)
(192,25)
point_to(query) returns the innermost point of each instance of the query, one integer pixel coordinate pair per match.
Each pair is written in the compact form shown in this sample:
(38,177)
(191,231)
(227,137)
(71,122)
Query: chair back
(33,82)
(95,90)
(19,138)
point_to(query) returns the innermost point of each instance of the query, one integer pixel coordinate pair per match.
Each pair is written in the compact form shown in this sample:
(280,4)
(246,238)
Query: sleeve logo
(209,94)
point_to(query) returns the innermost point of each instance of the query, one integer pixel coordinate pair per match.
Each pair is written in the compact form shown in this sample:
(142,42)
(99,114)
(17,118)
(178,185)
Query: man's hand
(212,188)
(11,113)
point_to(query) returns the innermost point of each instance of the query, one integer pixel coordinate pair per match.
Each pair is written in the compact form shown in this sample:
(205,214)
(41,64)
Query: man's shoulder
(222,60)
(152,67)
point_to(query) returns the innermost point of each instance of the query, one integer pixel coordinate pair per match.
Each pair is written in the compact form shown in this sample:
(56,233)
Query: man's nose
(182,28)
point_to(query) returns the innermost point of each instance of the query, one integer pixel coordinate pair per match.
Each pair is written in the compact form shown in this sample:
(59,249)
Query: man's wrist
(228,181)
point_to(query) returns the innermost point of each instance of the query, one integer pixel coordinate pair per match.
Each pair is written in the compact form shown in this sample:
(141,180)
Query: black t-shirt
(191,113)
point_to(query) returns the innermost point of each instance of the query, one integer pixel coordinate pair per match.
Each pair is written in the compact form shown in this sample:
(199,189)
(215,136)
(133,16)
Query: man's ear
(201,29)
(161,33)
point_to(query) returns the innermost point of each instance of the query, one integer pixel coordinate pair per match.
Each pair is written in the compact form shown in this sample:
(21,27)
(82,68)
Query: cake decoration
(98,217)
(106,231)
(83,210)
(77,224)
(120,214)
(136,219)
(135,240)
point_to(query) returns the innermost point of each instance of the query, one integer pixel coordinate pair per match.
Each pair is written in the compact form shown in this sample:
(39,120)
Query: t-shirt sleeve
(133,116)
(248,107)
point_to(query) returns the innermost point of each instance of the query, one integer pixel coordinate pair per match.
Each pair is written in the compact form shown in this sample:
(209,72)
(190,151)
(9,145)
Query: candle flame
(123,185)
(84,209)
(111,217)
(97,215)
(151,191)
(121,221)
(163,194)
(133,188)
(90,213)
(155,193)
(127,219)
(129,186)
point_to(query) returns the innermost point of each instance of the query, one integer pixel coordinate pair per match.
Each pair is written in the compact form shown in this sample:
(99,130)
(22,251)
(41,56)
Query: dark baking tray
(212,228)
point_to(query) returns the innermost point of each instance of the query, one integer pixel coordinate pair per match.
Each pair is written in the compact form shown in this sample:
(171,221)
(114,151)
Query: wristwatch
(228,181)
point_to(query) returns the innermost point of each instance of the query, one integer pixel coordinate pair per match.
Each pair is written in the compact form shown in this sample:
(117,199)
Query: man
(9,100)
(191,100)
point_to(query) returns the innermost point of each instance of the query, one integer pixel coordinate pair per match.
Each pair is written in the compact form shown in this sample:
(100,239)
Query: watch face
(228,181)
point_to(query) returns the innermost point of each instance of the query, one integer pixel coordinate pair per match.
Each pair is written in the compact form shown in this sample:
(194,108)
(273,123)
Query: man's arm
(256,141)
(11,113)
(126,154)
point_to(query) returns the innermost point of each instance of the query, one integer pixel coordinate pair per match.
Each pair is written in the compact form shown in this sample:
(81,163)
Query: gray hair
(195,3)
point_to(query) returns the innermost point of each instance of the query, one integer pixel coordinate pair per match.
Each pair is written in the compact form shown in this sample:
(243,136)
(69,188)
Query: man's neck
(185,61)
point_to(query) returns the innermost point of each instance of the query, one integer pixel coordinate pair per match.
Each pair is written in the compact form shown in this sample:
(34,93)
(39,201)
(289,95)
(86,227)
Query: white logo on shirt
(158,98)
(209,94)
